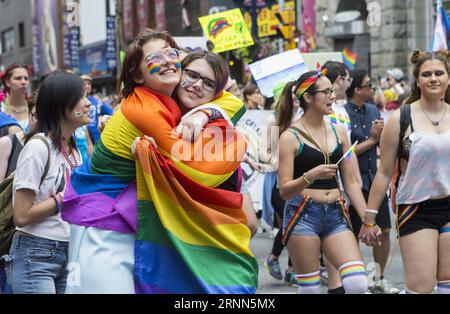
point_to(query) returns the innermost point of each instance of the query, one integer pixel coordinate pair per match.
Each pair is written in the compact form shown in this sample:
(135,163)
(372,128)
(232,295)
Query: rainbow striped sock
(309,283)
(444,287)
(352,269)
(354,277)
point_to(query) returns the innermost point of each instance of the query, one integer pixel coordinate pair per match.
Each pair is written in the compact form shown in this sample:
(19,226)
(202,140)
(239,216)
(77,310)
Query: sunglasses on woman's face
(193,77)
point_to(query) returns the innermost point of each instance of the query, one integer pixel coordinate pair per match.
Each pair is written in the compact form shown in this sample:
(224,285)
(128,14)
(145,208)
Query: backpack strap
(47,165)
(405,122)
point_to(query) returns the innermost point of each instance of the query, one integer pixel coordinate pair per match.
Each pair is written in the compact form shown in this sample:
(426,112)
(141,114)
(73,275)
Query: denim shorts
(315,219)
(37,265)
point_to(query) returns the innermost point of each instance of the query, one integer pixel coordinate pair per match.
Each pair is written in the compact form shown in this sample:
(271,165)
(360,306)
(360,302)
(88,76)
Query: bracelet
(307,180)
(370,225)
(58,205)
(205,112)
(371,211)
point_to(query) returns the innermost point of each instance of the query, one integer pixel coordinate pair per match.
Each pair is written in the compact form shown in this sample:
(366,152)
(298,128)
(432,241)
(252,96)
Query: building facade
(16,44)
(382,32)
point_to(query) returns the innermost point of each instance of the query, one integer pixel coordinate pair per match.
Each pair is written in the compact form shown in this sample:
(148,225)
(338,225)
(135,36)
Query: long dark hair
(216,62)
(284,108)
(286,104)
(60,92)
(418,59)
(130,67)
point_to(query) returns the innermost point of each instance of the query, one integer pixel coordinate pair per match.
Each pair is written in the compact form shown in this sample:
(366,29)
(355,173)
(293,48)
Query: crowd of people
(98,195)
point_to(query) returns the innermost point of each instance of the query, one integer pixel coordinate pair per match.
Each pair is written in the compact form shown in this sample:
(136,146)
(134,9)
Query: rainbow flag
(181,222)
(349,153)
(350,58)
(191,238)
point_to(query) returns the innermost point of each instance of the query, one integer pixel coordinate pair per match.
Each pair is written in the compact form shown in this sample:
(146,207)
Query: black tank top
(308,158)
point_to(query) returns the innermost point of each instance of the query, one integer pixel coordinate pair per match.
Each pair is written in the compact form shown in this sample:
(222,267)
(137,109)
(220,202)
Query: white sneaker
(383,287)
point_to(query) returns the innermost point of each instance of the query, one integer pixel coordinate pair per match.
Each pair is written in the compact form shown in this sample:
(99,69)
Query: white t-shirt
(30,168)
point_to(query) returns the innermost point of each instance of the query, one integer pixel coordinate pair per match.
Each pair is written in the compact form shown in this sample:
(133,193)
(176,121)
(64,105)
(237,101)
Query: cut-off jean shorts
(313,218)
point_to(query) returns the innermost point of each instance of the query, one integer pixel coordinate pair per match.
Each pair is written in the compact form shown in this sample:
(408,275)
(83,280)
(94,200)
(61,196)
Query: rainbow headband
(310,81)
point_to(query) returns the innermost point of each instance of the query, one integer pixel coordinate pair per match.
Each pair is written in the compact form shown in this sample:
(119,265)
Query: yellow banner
(227,30)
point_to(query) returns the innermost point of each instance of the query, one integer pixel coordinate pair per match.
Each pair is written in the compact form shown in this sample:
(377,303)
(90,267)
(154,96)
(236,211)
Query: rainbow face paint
(154,67)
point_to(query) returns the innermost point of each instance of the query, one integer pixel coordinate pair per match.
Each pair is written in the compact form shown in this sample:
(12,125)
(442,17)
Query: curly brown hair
(130,66)
(418,58)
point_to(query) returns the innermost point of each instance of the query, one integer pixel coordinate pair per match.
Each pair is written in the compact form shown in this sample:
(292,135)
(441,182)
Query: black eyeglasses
(366,85)
(349,79)
(193,77)
(328,92)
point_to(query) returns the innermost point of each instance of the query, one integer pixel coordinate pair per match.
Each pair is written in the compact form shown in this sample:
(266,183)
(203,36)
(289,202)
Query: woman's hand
(323,172)
(371,236)
(138,139)
(191,127)
(255,165)
(102,121)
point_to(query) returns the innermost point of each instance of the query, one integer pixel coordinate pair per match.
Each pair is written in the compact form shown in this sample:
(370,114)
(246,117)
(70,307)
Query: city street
(261,245)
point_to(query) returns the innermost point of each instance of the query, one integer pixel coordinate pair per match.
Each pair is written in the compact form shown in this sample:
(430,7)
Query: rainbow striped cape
(190,238)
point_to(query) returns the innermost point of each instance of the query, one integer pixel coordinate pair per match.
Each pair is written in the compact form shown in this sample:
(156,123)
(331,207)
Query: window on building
(21,35)
(8,40)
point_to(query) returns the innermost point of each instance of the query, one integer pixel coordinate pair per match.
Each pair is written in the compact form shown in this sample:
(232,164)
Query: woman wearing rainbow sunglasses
(315,217)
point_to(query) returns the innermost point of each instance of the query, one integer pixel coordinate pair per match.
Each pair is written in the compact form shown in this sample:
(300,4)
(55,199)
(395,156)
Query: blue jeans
(316,219)
(37,265)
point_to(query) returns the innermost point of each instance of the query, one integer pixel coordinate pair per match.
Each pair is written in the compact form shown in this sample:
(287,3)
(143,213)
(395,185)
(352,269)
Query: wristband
(307,180)
(58,204)
(369,225)
(205,112)
(371,211)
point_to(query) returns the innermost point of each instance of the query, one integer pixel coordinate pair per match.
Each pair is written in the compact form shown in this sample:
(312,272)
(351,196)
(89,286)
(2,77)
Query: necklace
(435,123)
(324,153)
(18,110)
(72,164)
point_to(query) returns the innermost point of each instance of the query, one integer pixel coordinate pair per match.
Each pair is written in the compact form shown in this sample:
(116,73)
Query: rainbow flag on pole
(350,58)
(349,153)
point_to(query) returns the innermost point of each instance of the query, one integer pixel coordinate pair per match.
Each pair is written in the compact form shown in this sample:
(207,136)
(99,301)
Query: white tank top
(428,173)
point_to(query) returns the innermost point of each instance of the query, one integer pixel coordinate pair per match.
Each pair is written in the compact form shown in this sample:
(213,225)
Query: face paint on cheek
(177,64)
(185,84)
(154,68)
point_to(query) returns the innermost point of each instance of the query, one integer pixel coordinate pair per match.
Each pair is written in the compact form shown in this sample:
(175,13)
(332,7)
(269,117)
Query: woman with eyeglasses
(121,241)
(11,145)
(15,81)
(315,217)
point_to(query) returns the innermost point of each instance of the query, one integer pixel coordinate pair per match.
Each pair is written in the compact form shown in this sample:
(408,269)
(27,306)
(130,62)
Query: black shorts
(383,219)
(431,214)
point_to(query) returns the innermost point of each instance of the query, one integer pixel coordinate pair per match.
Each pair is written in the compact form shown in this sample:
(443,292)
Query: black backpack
(7,227)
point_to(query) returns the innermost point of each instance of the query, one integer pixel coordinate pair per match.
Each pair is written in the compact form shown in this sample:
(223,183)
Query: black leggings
(278,205)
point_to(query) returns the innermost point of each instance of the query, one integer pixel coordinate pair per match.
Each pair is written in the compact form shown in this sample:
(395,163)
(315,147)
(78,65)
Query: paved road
(261,246)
